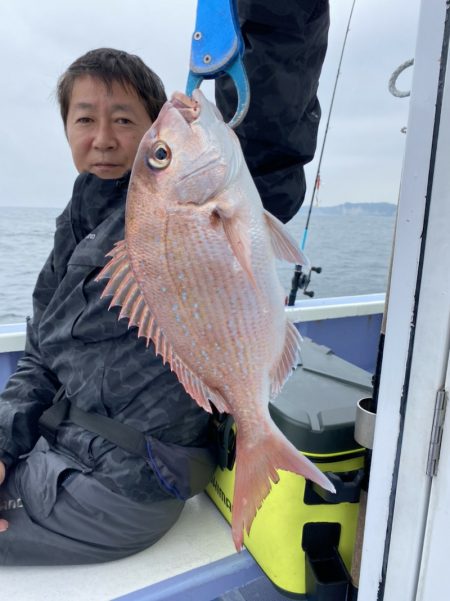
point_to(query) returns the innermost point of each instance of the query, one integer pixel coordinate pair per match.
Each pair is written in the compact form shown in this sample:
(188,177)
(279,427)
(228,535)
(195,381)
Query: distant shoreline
(383,209)
(379,209)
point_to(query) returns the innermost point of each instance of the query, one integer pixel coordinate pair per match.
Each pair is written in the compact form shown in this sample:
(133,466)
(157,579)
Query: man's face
(104,127)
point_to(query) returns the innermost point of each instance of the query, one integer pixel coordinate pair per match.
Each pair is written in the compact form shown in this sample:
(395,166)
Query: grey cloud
(41,39)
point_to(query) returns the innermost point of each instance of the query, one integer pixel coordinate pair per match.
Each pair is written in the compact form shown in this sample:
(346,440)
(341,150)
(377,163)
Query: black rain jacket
(285,46)
(74,341)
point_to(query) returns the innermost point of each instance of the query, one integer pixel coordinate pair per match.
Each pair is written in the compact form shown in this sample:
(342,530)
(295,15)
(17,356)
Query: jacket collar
(94,200)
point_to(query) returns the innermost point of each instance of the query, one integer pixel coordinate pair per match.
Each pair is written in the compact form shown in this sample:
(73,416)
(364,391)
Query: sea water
(353,252)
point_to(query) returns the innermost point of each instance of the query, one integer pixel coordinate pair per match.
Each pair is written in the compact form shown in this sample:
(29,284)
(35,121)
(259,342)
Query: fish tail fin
(256,467)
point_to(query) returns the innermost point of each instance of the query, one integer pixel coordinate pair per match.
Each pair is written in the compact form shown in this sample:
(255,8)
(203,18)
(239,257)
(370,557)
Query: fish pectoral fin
(284,245)
(238,238)
(288,361)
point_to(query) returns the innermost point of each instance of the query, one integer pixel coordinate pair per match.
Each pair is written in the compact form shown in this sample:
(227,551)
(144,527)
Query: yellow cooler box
(303,537)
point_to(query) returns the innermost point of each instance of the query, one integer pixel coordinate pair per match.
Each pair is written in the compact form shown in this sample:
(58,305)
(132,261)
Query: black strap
(51,418)
(122,435)
(128,438)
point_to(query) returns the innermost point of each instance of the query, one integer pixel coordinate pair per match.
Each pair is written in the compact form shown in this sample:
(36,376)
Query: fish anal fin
(219,401)
(190,381)
(288,360)
(256,469)
(284,245)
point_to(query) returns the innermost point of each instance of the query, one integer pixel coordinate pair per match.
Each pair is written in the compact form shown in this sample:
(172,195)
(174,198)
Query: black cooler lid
(316,408)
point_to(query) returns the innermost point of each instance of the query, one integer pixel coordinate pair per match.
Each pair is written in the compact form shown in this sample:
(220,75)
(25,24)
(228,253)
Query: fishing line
(301,280)
(317,178)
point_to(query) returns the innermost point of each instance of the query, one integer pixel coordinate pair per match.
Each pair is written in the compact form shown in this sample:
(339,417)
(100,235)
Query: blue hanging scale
(217,48)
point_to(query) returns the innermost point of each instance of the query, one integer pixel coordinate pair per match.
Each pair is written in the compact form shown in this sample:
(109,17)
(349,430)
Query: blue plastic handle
(217,48)
(217,39)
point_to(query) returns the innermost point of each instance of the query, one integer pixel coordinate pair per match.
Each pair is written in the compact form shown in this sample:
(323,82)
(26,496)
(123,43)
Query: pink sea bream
(196,274)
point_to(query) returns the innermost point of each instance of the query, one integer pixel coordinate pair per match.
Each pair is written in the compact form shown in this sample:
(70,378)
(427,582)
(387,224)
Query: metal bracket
(436,433)
(365,422)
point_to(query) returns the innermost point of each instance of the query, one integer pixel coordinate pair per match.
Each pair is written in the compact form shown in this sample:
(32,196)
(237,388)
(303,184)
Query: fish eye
(160,155)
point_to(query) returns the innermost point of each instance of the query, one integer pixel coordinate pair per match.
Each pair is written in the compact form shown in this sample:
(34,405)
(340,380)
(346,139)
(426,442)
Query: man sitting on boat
(82,489)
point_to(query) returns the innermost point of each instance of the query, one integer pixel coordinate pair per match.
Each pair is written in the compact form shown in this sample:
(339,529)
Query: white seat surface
(200,537)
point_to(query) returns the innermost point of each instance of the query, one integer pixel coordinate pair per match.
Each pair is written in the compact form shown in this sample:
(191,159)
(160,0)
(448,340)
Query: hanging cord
(393,80)
(302,280)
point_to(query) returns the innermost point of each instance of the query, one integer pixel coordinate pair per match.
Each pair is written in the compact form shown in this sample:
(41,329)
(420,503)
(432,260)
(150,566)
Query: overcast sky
(38,40)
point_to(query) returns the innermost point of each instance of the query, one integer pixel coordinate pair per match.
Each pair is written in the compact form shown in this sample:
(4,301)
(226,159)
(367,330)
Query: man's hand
(3,523)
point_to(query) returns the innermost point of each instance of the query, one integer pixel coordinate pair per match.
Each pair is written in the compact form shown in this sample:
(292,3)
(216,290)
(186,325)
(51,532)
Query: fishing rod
(302,280)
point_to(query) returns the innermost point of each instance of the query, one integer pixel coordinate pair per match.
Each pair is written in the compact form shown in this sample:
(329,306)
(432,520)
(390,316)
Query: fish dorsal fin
(288,361)
(126,293)
(284,245)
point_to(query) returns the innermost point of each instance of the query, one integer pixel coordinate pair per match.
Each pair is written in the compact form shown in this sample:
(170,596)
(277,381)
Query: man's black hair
(110,65)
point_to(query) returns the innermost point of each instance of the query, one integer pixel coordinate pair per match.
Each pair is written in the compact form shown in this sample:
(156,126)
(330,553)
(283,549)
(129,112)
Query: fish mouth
(187,107)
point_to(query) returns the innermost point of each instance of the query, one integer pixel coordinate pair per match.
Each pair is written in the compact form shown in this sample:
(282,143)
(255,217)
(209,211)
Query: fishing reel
(301,281)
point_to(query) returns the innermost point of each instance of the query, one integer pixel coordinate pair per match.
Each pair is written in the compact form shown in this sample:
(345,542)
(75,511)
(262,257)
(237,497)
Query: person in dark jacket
(74,496)
(77,497)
